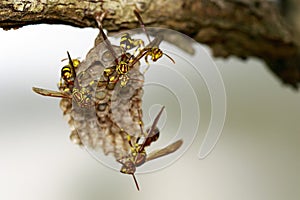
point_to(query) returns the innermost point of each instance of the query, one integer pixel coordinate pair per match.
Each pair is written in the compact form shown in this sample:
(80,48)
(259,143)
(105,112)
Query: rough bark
(242,28)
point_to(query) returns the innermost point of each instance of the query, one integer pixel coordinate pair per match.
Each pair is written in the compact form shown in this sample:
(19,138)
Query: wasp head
(75,62)
(128,167)
(124,79)
(156,54)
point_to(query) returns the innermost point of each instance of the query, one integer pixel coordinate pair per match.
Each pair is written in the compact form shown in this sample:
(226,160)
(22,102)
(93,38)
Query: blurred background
(256,157)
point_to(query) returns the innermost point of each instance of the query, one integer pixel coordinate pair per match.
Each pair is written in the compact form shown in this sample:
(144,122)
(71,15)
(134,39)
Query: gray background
(257,156)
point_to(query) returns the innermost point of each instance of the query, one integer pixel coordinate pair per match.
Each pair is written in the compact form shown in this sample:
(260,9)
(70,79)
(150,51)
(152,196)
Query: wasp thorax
(152,137)
(122,68)
(83,97)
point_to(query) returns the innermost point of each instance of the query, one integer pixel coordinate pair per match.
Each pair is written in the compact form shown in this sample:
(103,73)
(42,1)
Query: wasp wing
(108,45)
(164,151)
(156,42)
(72,65)
(153,127)
(50,93)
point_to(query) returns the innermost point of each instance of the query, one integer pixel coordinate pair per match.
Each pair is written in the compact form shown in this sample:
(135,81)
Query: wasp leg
(148,64)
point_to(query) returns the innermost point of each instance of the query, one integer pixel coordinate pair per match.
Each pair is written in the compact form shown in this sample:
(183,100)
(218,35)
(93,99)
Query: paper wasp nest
(116,111)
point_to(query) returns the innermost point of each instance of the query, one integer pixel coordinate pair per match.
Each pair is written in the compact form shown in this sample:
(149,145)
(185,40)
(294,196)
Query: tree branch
(242,28)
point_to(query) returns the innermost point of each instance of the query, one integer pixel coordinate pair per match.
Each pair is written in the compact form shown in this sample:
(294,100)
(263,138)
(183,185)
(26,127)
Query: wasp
(154,51)
(82,95)
(123,64)
(126,61)
(68,73)
(138,156)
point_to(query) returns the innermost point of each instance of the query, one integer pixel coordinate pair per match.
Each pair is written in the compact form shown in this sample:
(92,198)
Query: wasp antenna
(63,59)
(169,57)
(136,183)
(138,16)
